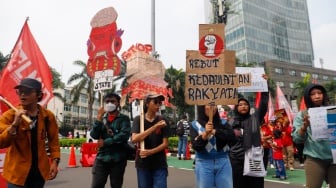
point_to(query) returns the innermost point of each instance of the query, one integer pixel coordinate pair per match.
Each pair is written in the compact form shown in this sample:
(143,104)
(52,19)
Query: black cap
(30,83)
(154,96)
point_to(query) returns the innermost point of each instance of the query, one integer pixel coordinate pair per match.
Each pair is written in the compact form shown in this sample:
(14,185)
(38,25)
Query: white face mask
(109,107)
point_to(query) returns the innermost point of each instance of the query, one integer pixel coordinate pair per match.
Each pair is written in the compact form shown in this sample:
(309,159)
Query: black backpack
(180,128)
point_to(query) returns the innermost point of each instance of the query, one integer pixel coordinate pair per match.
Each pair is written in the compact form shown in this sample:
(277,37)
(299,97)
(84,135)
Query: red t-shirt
(277,151)
(287,139)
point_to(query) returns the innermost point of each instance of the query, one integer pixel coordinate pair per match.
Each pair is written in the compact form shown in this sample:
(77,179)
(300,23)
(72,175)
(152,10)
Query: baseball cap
(154,96)
(29,83)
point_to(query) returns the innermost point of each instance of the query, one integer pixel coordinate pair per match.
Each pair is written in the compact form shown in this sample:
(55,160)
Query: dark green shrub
(77,142)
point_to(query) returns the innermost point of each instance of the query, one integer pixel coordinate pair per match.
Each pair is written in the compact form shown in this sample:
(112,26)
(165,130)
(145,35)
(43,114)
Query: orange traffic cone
(72,158)
(188,157)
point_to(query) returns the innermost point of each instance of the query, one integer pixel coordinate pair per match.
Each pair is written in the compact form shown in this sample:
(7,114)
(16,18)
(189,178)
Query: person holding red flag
(27,60)
(27,163)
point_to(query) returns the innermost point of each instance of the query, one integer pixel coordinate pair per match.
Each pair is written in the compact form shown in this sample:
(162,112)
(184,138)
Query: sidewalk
(296,176)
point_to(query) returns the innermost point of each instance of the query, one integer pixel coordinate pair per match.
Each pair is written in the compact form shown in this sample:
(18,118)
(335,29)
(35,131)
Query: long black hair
(203,119)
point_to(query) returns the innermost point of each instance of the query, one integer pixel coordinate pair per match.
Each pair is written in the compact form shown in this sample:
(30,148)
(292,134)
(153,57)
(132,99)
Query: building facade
(260,30)
(75,115)
(286,74)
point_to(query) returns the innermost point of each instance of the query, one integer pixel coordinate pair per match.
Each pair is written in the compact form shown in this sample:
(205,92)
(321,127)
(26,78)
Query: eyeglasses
(25,91)
(157,101)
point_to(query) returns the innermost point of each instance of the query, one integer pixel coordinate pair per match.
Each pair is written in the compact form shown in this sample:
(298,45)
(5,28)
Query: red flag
(302,104)
(281,103)
(27,61)
(3,107)
(257,100)
(270,110)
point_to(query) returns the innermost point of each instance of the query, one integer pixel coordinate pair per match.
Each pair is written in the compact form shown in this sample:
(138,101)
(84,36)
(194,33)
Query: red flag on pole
(270,110)
(27,61)
(257,99)
(281,103)
(302,104)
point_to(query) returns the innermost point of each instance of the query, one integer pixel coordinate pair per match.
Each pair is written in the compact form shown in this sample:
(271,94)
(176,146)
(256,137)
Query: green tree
(83,82)
(57,83)
(299,87)
(331,90)
(3,61)
(176,81)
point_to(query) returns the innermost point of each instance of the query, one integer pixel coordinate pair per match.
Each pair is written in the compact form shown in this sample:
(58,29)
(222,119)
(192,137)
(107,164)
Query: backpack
(180,128)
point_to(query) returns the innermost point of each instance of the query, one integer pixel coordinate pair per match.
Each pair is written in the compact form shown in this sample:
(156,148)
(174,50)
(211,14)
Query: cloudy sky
(61,28)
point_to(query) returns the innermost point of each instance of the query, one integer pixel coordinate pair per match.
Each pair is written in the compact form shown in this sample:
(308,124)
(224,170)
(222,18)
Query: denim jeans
(156,178)
(213,173)
(280,170)
(182,145)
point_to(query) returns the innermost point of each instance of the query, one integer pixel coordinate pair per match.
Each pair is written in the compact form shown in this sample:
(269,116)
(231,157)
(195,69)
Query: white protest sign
(259,84)
(318,123)
(103,80)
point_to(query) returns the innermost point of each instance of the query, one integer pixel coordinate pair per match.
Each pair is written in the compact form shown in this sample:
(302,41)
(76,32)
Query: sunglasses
(25,91)
(157,101)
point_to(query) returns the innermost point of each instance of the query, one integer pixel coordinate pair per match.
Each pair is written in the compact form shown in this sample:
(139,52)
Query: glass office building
(260,30)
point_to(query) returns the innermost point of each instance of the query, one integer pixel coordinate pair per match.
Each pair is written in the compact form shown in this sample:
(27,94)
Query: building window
(83,110)
(278,70)
(67,107)
(325,77)
(83,98)
(67,95)
(291,85)
(67,119)
(303,74)
(280,84)
(315,76)
(292,72)
(75,109)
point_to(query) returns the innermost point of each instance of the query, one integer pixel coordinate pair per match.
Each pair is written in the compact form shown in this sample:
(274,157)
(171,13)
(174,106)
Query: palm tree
(300,86)
(3,61)
(83,83)
(176,81)
(57,83)
(331,90)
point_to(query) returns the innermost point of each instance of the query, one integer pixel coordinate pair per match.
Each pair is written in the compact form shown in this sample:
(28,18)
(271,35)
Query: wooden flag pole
(211,111)
(24,117)
(142,123)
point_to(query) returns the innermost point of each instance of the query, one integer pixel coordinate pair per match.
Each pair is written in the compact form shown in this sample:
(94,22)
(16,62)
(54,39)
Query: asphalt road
(81,177)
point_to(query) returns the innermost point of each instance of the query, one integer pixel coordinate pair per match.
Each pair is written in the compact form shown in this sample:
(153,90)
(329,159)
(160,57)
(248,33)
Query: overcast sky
(61,28)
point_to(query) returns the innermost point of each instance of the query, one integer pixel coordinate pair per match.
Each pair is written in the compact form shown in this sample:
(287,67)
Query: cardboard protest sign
(104,42)
(211,39)
(103,80)
(213,79)
(136,67)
